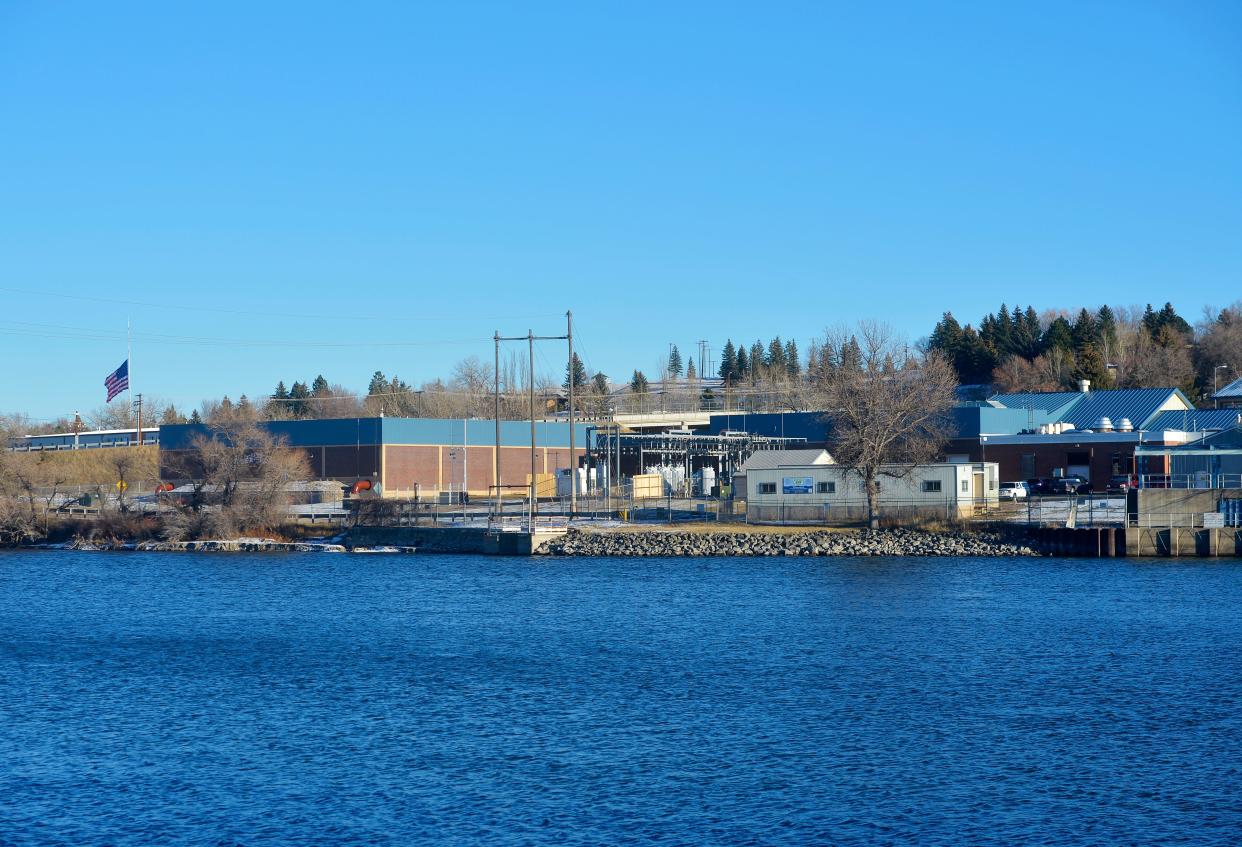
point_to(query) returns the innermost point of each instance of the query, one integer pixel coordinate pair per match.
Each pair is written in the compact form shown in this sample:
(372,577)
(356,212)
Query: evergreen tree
(171,416)
(599,383)
(1060,335)
(1089,364)
(1004,332)
(946,338)
(674,362)
(281,393)
(243,403)
(1029,335)
(988,332)
(1084,331)
(1168,317)
(758,362)
(578,371)
(776,357)
(638,383)
(728,363)
(974,360)
(744,369)
(1106,324)
(379,384)
(826,363)
(792,366)
(298,395)
(195,418)
(850,358)
(1150,323)
(319,387)
(691,373)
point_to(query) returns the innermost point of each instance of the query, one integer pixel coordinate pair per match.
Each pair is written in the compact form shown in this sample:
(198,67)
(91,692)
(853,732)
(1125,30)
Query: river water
(320,699)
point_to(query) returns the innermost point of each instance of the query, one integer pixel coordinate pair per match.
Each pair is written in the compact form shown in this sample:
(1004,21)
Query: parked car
(1040,487)
(1121,484)
(1013,491)
(1071,485)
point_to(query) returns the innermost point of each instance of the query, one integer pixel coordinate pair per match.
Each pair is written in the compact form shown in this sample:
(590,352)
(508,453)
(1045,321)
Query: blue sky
(285,189)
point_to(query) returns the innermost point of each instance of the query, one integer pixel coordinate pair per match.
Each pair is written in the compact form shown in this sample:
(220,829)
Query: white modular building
(828,493)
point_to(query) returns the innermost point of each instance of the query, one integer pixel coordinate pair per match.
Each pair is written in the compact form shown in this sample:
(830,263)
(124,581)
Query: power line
(262,314)
(80,333)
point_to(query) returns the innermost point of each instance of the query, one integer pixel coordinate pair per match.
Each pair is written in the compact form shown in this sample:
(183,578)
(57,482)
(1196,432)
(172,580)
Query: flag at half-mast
(117,381)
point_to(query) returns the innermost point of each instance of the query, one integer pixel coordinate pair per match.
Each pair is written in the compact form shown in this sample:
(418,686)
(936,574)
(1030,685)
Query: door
(977,494)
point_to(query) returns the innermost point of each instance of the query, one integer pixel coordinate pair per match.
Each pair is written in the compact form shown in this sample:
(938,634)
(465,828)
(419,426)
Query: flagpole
(129,370)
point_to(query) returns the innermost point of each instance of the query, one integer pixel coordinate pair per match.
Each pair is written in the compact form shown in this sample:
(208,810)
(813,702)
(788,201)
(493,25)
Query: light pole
(1215,402)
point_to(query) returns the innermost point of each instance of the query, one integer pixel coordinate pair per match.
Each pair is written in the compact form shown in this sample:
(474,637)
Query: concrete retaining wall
(1183,541)
(446,539)
(1153,505)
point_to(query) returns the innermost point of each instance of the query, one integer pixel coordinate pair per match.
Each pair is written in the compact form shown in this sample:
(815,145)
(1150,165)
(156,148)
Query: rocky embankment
(883,542)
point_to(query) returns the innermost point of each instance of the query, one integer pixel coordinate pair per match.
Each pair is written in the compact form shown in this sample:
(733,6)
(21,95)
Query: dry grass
(96,467)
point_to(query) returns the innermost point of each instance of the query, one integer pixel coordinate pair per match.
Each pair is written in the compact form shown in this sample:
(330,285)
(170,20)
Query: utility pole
(530,387)
(496,413)
(138,406)
(573,455)
(530,338)
(77,429)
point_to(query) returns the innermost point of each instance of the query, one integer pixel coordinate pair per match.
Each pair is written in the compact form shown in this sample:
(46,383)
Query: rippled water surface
(318,699)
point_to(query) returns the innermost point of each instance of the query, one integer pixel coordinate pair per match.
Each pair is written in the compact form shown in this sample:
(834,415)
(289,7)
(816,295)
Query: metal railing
(1204,479)
(1069,510)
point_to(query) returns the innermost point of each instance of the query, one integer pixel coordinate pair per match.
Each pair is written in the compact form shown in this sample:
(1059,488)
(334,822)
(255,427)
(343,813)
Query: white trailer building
(832,494)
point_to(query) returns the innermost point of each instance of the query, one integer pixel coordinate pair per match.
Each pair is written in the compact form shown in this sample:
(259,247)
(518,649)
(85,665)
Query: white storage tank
(705,480)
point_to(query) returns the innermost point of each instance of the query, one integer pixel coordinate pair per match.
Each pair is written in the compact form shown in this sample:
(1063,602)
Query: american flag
(117,381)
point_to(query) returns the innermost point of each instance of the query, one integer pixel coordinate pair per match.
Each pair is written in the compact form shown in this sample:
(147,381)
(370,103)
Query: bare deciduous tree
(474,380)
(1220,343)
(337,402)
(884,419)
(1049,372)
(1162,361)
(240,476)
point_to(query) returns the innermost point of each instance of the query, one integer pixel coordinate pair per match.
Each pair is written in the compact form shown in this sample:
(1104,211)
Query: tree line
(1011,349)
(1124,347)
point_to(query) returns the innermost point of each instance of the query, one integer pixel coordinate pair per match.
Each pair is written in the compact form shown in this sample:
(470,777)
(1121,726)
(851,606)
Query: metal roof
(768,459)
(1233,389)
(1195,420)
(1082,409)
(1047,401)
(1225,440)
(351,432)
(1140,405)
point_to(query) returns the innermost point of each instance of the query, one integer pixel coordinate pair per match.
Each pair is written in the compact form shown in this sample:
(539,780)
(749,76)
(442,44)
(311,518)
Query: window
(826,488)
(931,486)
(965,486)
(767,488)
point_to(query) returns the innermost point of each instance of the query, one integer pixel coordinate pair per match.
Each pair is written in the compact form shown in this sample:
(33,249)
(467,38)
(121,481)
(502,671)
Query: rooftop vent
(1104,424)
(1084,385)
(1124,425)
